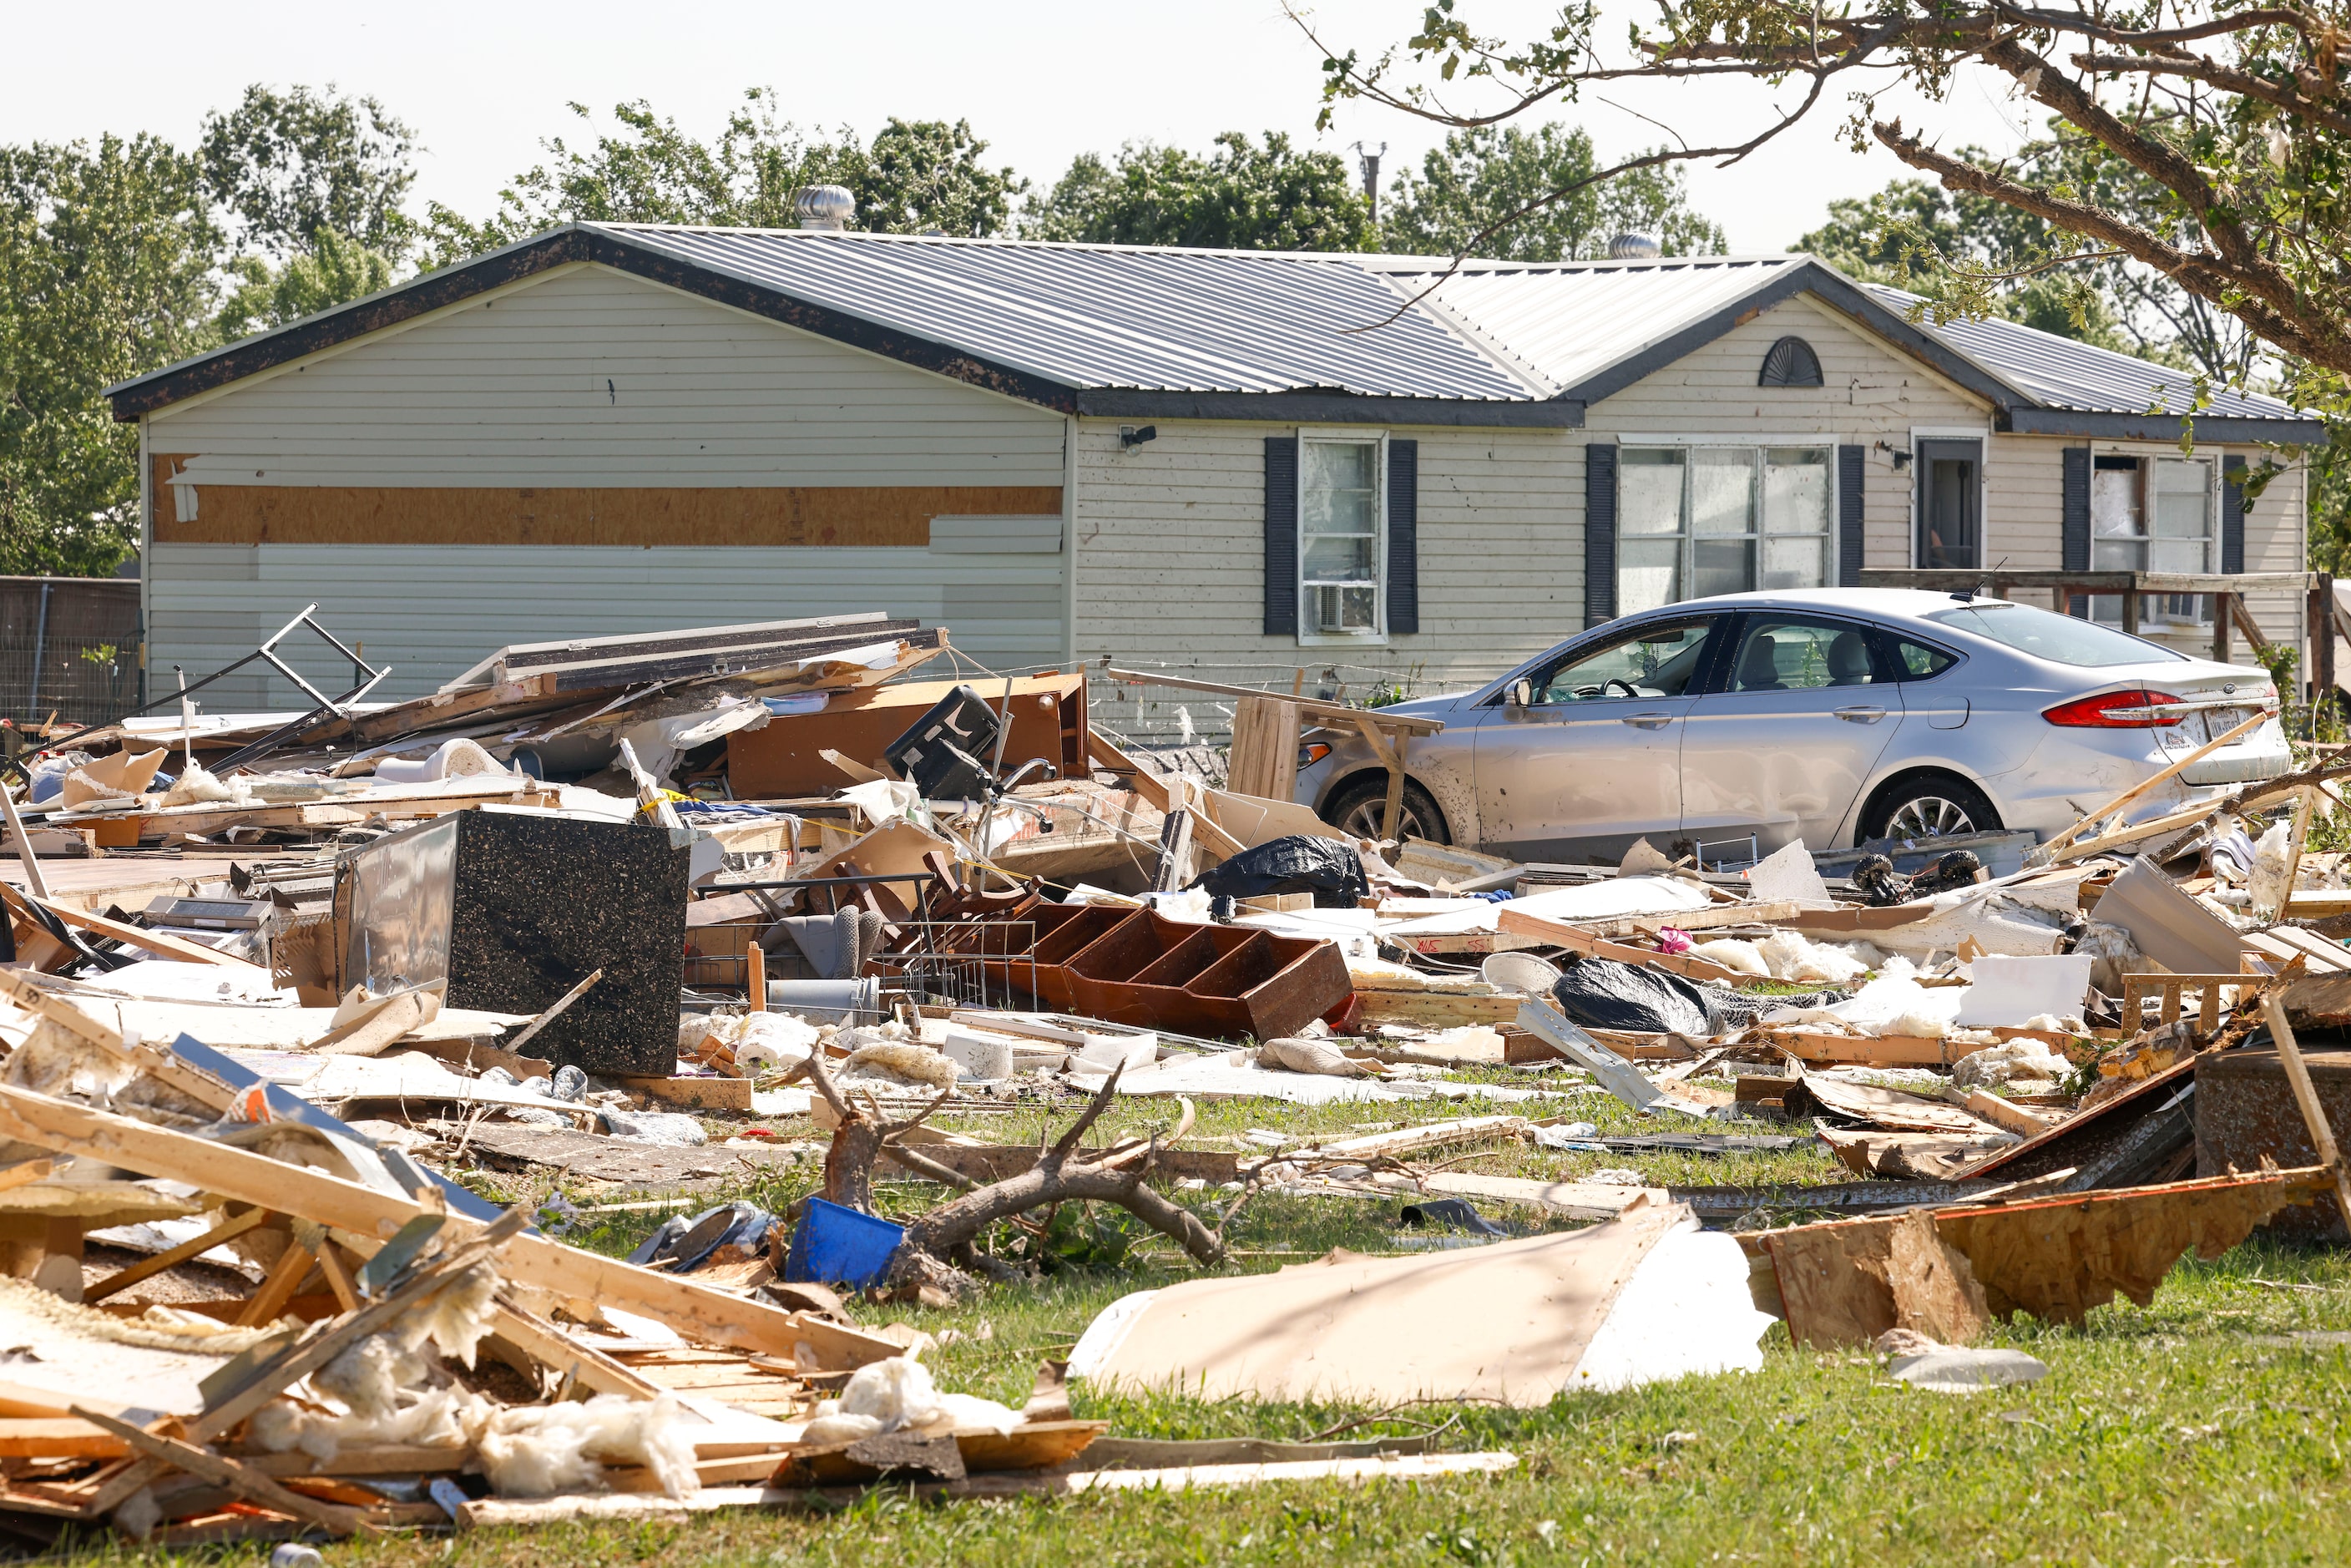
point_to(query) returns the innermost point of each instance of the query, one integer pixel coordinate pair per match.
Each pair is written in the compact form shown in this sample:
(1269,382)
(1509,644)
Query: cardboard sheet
(1509,1321)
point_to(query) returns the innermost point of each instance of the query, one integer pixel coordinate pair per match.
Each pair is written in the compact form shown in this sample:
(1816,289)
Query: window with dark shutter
(1281,536)
(1850,475)
(1599,533)
(1403,536)
(2073,512)
(2232,514)
(1791,364)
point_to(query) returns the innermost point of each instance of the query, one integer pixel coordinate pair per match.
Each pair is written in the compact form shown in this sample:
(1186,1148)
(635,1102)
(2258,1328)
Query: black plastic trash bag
(1601,993)
(1331,871)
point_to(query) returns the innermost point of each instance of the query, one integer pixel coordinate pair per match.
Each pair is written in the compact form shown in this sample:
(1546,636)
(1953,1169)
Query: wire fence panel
(69,645)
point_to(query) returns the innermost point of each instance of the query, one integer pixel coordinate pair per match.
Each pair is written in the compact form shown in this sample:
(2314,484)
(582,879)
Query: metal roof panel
(1111,317)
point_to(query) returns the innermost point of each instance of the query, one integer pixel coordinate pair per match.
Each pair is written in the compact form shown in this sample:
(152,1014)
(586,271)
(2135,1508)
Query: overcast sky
(1041,79)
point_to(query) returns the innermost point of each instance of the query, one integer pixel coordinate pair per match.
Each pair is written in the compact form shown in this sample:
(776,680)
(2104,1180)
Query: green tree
(1488,192)
(108,258)
(1902,236)
(916,175)
(337,270)
(1244,195)
(290,166)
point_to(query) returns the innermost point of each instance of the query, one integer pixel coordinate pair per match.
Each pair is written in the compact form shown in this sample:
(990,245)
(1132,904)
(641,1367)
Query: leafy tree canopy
(1243,196)
(108,258)
(291,165)
(337,270)
(1484,193)
(914,175)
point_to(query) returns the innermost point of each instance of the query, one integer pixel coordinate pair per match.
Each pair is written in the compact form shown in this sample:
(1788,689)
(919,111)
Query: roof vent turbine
(828,207)
(1633,247)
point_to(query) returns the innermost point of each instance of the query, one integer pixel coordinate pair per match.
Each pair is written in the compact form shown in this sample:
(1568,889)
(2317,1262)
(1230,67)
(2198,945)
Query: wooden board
(1575,939)
(695,1311)
(1264,752)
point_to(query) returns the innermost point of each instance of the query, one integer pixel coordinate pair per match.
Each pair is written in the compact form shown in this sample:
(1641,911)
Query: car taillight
(1307,755)
(2114,710)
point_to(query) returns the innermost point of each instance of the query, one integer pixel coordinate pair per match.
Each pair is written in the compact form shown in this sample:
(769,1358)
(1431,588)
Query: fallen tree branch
(1059,1175)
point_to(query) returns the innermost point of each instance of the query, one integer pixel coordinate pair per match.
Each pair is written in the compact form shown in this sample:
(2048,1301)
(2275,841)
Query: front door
(1591,759)
(1950,506)
(1782,747)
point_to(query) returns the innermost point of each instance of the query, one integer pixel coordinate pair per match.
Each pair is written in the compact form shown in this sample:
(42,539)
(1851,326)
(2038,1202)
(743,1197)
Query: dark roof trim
(452,286)
(1804,277)
(1332,408)
(2162,427)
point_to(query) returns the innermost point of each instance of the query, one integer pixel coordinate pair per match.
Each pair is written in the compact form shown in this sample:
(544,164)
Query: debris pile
(597,911)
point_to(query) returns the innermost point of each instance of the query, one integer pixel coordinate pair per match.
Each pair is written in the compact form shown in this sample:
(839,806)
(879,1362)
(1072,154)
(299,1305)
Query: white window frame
(2155,610)
(1758,444)
(1343,435)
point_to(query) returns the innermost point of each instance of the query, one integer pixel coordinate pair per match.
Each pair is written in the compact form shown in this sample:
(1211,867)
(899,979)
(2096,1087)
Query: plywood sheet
(832,516)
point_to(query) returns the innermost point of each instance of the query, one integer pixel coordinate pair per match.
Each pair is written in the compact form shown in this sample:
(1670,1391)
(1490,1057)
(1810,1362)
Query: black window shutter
(2074,513)
(1403,536)
(2232,514)
(1599,533)
(1281,536)
(1849,483)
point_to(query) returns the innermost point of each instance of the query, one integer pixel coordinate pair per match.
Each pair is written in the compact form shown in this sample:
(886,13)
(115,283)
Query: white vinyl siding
(581,379)
(589,377)
(430,612)
(1171,566)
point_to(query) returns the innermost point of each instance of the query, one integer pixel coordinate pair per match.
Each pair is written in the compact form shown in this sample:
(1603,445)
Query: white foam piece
(1686,1311)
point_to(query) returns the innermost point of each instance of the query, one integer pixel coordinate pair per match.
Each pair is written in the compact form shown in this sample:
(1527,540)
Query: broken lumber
(697,1312)
(1575,939)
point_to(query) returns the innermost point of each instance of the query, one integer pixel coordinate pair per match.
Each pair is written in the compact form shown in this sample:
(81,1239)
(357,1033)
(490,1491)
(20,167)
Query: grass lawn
(2206,1428)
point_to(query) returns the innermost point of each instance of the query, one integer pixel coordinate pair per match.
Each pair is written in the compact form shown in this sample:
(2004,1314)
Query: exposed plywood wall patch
(828,515)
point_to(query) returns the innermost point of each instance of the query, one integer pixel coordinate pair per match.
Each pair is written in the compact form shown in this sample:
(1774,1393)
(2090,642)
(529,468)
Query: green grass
(2180,1433)
(2170,1435)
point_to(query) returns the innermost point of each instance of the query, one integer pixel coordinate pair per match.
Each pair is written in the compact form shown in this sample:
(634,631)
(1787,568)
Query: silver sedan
(1829,715)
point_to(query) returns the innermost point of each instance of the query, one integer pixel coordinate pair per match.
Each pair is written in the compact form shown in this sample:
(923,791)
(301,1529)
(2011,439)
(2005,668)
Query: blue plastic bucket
(837,1245)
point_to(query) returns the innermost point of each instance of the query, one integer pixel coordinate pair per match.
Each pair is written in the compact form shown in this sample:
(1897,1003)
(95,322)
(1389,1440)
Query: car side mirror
(1522,693)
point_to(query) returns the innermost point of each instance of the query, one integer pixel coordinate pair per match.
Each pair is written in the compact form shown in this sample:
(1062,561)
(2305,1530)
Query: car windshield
(2060,639)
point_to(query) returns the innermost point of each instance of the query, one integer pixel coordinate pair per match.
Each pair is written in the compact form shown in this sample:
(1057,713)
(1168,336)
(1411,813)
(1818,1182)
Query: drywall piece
(2010,992)
(2169,925)
(1516,1321)
(1788,874)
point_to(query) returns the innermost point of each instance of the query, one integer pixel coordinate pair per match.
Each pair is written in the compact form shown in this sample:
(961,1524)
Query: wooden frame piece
(2136,989)
(1559,933)
(148,1268)
(2056,849)
(697,1312)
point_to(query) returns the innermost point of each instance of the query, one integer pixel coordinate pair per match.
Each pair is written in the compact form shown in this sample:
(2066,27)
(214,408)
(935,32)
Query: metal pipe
(40,651)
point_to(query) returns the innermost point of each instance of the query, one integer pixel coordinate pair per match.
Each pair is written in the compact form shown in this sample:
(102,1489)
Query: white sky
(1041,79)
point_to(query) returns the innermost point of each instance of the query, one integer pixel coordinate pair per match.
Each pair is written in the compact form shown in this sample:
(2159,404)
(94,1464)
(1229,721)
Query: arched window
(1791,364)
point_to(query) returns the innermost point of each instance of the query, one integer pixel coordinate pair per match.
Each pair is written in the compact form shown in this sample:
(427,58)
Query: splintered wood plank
(1833,1279)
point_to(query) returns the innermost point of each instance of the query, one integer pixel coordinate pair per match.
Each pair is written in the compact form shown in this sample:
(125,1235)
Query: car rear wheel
(1930,806)
(1360,809)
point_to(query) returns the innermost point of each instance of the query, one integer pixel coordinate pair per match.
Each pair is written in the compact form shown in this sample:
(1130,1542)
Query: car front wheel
(1360,810)
(1931,806)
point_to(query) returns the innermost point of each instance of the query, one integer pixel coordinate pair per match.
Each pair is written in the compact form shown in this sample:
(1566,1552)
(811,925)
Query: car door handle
(1648,720)
(1861,714)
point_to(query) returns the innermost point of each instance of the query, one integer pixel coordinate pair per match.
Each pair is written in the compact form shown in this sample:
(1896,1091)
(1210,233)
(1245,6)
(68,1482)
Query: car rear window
(2060,639)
